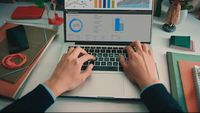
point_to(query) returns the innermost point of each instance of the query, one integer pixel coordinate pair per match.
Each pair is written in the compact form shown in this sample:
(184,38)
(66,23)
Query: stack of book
(182,83)
(13,81)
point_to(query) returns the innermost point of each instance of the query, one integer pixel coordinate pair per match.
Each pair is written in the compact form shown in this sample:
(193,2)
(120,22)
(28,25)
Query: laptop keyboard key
(117,59)
(106,59)
(105,55)
(107,51)
(97,51)
(103,63)
(111,55)
(99,55)
(103,51)
(109,63)
(119,51)
(91,50)
(112,59)
(100,59)
(121,48)
(97,63)
(116,64)
(116,55)
(114,51)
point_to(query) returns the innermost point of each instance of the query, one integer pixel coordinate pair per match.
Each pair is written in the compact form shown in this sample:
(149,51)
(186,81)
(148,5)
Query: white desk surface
(44,69)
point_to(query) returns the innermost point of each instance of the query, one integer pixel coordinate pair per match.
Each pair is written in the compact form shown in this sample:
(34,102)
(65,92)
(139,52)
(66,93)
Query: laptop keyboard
(107,58)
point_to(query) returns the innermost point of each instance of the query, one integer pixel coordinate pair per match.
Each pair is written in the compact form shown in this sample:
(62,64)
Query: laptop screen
(108,20)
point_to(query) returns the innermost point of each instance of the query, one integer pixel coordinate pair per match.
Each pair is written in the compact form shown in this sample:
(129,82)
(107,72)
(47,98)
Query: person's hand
(68,75)
(140,67)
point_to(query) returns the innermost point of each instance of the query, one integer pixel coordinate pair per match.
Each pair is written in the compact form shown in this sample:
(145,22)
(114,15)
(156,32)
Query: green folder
(174,75)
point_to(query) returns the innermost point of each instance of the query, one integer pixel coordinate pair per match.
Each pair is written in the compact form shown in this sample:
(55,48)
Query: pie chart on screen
(75,25)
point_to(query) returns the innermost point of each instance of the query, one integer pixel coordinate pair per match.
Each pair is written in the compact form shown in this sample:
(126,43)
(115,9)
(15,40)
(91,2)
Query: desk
(49,60)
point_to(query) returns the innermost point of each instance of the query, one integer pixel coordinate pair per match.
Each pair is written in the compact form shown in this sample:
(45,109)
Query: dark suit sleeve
(157,99)
(39,100)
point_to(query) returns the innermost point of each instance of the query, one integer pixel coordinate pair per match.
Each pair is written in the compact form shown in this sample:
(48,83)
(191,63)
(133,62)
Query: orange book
(185,68)
(12,90)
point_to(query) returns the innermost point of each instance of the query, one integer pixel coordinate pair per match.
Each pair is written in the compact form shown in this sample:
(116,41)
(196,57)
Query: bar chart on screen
(78,4)
(119,25)
(108,4)
(90,4)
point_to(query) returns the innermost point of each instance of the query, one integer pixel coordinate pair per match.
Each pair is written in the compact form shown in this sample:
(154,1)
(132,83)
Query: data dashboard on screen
(108,20)
(108,27)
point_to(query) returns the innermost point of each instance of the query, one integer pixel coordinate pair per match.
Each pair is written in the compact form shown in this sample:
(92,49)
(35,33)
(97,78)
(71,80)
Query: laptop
(103,28)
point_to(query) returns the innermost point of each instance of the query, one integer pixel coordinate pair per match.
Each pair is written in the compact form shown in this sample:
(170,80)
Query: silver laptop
(103,28)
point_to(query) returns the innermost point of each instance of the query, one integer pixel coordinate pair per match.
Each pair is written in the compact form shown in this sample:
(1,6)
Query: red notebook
(185,68)
(27,12)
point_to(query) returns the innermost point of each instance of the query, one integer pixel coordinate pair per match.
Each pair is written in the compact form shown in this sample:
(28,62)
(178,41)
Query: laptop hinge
(106,43)
(102,43)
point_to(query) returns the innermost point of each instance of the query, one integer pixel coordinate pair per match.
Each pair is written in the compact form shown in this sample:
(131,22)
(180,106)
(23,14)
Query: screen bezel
(65,11)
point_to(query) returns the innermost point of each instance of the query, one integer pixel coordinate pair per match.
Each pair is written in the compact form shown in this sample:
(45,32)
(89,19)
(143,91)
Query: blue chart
(119,26)
(75,25)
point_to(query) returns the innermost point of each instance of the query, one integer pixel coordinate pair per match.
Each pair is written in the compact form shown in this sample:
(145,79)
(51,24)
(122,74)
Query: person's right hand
(68,75)
(140,67)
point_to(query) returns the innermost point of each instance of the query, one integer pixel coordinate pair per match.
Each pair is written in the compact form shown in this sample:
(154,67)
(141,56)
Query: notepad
(196,76)
(186,74)
(177,90)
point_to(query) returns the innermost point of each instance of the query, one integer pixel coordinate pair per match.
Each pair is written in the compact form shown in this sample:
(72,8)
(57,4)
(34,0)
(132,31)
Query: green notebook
(174,75)
(182,41)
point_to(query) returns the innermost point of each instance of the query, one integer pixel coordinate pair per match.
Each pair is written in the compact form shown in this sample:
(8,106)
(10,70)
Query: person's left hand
(68,75)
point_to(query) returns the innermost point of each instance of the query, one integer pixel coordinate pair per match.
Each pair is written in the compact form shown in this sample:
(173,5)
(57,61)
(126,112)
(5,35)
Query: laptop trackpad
(101,85)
